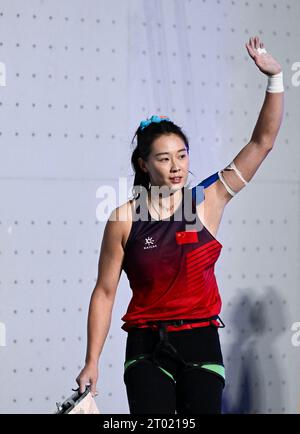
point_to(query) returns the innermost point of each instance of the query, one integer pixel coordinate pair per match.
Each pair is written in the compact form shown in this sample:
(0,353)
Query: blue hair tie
(147,122)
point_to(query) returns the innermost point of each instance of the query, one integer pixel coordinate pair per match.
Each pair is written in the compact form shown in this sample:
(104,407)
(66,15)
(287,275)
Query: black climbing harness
(165,346)
(164,340)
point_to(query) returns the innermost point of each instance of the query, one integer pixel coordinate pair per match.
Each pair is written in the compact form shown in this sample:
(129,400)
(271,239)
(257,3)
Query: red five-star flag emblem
(186,237)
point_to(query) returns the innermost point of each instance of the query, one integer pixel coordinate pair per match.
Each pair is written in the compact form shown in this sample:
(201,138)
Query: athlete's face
(168,159)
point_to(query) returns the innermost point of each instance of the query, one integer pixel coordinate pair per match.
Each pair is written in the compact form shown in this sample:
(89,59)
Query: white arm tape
(231,166)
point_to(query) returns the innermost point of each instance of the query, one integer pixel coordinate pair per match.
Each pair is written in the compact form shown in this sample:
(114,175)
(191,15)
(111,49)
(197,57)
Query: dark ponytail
(145,138)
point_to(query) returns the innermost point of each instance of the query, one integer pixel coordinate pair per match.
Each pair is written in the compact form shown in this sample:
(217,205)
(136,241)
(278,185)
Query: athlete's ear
(142,165)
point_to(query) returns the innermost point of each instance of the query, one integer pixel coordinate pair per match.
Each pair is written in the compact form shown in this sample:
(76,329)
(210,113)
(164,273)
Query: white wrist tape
(275,83)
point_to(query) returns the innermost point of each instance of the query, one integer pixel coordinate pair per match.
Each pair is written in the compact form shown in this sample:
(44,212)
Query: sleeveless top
(170,265)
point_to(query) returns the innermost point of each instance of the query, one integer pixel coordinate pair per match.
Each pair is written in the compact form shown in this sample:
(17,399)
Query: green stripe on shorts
(168,373)
(218,369)
(129,362)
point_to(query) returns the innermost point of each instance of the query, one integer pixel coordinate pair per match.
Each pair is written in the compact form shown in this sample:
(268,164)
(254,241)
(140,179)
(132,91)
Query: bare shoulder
(112,251)
(211,209)
(122,220)
(122,213)
(214,197)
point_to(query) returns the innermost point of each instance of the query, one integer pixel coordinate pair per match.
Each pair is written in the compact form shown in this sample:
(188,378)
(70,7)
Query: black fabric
(194,391)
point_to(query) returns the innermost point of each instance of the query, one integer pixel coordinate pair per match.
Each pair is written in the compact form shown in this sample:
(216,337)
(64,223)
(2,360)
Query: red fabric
(171,328)
(171,273)
(184,237)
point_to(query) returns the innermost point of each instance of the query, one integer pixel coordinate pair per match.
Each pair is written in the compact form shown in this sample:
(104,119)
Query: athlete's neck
(165,198)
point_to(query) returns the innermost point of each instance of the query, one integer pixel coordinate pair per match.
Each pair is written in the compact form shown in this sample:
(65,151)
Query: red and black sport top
(170,266)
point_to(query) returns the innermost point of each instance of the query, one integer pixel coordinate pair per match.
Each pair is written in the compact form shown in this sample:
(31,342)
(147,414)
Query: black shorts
(184,374)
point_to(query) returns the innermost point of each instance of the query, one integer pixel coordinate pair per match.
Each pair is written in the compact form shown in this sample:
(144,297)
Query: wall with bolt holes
(76,78)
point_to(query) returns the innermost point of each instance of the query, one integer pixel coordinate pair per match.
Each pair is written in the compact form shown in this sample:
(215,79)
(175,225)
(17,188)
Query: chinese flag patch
(186,237)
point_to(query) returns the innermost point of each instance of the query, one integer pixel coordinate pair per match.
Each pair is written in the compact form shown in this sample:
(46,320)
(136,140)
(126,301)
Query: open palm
(264,61)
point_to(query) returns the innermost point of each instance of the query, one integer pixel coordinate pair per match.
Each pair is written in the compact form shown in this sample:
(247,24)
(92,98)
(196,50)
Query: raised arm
(236,175)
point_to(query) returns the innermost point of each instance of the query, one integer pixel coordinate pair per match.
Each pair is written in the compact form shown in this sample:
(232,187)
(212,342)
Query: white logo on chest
(149,241)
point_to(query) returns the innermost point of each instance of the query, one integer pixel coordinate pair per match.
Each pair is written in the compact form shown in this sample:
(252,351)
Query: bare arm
(99,320)
(269,120)
(248,160)
(270,117)
(103,296)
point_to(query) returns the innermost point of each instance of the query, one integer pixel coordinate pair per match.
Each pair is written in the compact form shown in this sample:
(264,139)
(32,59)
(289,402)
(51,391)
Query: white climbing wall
(76,78)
